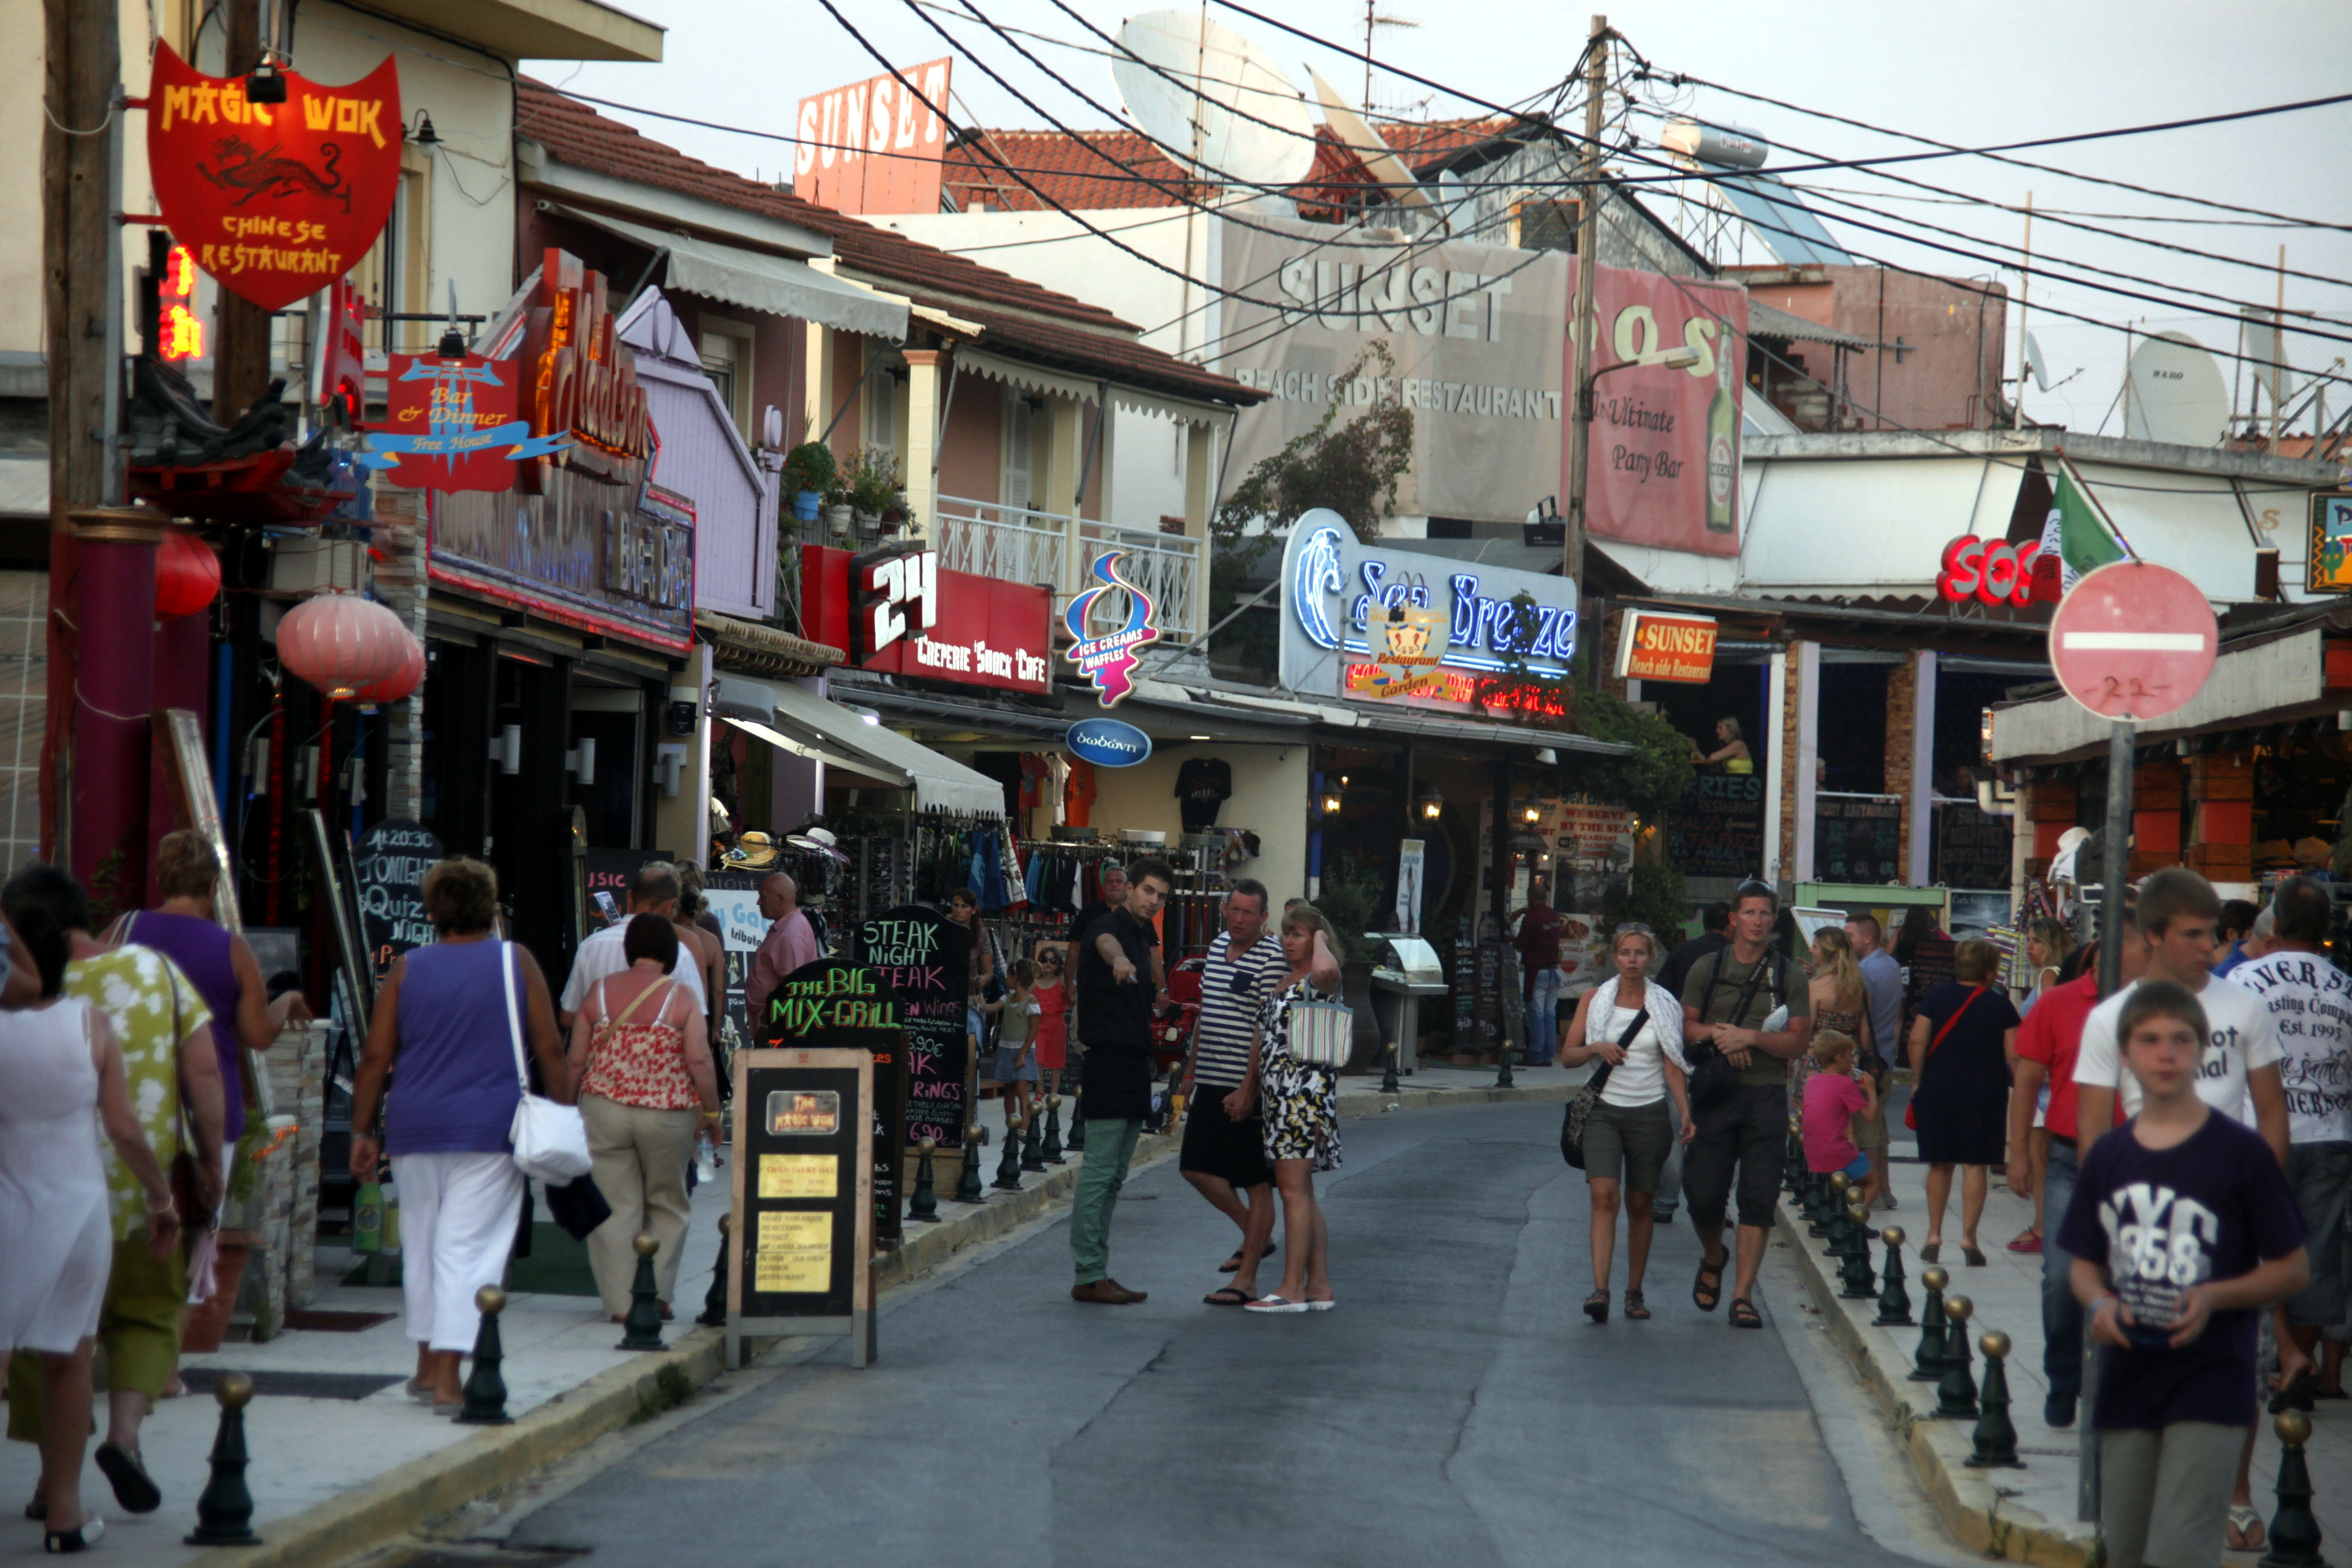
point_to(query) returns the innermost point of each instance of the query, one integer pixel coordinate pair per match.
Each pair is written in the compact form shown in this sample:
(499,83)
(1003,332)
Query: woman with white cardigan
(1635,1029)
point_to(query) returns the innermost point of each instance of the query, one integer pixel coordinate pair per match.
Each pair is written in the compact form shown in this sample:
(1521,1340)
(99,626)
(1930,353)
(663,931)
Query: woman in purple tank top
(443,1029)
(218,960)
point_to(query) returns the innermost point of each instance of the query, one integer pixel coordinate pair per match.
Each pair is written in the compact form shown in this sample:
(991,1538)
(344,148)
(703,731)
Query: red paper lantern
(341,643)
(401,682)
(187,574)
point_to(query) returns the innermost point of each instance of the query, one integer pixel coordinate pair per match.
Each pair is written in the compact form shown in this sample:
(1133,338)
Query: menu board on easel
(926,959)
(801,1239)
(192,781)
(388,882)
(829,1004)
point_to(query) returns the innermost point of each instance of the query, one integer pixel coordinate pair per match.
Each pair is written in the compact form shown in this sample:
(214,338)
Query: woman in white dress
(61,1079)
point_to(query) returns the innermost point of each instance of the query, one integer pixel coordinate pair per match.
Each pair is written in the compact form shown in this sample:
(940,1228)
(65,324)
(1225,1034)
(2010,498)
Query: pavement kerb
(396,1502)
(1972,1503)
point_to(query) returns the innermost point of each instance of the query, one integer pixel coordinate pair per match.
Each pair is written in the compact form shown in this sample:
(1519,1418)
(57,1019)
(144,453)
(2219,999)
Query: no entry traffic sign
(2133,641)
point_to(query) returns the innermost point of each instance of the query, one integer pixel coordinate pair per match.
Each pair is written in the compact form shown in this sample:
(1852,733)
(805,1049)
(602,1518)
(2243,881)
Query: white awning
(2190,523)
(757,281)
(831,759)
(2284,673)
(1867,526)
(941,783)
(1025,377)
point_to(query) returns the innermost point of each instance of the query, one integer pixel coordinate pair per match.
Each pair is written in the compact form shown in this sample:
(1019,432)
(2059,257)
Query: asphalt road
(1457,1409)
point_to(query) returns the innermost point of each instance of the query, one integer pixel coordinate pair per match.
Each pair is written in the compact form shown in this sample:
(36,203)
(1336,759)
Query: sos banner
(275,201)
(1992,571)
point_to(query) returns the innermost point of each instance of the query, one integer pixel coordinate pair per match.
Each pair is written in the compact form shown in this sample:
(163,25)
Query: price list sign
(801,1239)
(834,1006)
(925,959)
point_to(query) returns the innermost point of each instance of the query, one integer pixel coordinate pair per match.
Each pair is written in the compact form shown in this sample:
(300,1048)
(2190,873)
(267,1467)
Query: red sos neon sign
(1988,569)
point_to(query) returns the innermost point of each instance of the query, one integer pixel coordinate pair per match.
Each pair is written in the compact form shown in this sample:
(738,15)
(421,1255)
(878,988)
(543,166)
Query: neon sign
(1988,569)
(1109,661)
(182,334)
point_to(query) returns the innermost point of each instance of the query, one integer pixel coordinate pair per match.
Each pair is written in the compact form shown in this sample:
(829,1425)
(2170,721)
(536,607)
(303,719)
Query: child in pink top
(1834,1097)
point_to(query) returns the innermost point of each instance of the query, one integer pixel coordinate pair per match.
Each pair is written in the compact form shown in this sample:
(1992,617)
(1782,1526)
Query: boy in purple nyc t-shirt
(2182,1229)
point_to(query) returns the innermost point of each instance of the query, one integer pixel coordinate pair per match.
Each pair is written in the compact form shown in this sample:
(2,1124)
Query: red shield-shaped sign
(274,200)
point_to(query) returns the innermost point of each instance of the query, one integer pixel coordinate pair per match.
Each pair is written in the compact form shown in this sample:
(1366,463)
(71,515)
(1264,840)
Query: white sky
(1970,74)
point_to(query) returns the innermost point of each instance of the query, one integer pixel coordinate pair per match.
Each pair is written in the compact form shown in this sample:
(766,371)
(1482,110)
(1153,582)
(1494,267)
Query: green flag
(2085,541)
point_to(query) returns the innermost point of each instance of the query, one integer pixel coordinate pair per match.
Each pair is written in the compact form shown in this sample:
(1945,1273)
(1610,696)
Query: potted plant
(873,480)
(809,468)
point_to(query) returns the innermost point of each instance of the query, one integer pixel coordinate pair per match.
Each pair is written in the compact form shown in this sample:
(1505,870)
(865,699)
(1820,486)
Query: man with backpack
(1739,1093)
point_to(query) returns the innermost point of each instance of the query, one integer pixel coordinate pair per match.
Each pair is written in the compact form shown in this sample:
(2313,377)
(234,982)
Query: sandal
(2246,1527)
(126,1473)
(1931,1252)
(1233,1265)
(1274,1304)
(1635,1306)
(1744,1314)
(80,1538)
(2298,1392)
(1227,1296)
(1704,1295)
(1596,1306)
(1971,1256)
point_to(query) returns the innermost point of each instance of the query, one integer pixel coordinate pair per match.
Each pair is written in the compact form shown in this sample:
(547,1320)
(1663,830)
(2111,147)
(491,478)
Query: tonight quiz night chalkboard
(925,958)
(831,1005)
(389,884)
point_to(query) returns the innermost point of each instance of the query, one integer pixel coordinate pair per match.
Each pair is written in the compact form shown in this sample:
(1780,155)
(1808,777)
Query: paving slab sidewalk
(2028,1515)
(343,1463)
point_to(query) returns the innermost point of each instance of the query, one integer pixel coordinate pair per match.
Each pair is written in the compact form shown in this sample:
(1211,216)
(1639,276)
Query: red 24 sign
(1988,569)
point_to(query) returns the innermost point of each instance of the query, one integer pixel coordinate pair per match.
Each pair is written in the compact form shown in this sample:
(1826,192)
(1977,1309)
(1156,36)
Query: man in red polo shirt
(2046,1044)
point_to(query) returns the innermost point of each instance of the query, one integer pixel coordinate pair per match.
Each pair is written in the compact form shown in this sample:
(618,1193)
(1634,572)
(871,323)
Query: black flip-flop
(1706,1297)
(133,1488)
(1225,1296)
(1744,1314)
(2297,1392)
(1233,1265)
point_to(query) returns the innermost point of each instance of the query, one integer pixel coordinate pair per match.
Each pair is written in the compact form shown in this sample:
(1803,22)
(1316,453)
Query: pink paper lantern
(401,682)
(341,643)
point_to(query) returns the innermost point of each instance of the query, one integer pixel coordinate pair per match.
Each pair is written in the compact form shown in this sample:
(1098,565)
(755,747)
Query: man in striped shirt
(1225,1137)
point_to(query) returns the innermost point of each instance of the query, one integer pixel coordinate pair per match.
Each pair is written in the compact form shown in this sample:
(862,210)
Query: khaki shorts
(1869,1130)
(2164,1496)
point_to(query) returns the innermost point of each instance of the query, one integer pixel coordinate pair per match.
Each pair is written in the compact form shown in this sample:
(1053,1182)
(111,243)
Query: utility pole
(241,335)
(2024,276)
(1583,331)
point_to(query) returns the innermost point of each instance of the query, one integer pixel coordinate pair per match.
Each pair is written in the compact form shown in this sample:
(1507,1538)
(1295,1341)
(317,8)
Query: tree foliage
(1352,468)
(1647,780)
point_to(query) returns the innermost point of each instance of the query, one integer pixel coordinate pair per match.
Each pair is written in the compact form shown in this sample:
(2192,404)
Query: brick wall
(2221,802)
(1902,714)
(400,581)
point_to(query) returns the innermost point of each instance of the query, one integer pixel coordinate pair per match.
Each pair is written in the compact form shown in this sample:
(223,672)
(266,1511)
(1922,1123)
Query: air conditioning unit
(305,566)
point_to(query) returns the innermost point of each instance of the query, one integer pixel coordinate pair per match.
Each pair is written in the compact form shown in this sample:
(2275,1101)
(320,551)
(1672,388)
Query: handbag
(579,1206)
(195,1216)
(1322,1034)
(551,1141)
(1713,1079)
(1580,1110)
(1911,1109)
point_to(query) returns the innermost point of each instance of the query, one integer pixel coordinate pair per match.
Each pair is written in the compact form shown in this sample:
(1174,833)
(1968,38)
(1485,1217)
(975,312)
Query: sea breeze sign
(1989,570)
(899,612)
(459,418)
(1482,636)
(275,201)
(875,146)
(1679,649)
(1109,659)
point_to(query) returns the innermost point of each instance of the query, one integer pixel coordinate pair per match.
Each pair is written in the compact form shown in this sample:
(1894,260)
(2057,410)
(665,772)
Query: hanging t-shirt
(1202,784)
(2160,1220)
(2242,1037)
(1078,794)
(2310,1003)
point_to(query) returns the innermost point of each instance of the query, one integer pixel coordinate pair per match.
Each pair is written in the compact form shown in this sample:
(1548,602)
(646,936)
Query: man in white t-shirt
(651,891)
(2310,1000)
(2237,1075)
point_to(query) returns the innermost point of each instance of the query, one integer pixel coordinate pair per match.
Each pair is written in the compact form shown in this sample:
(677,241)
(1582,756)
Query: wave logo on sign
(1109,742)
(1109,661)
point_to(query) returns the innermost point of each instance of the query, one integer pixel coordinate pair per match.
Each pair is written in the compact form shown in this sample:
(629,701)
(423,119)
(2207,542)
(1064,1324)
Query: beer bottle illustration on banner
(1722,441)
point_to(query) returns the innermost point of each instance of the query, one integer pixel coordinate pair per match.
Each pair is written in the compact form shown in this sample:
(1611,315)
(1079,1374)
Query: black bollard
(1389,1084)
(486,1389)
(1928,1361)
(714,1300)
(1792,1162)
(1956,1392)
(2294,1529)
(1503,1076)
(1052,1150)
(1996,1433)
(1008,1169)
(968,1182)
(1817,1205)
(923,1205)
(1856,1277)
(1077,1143)
(1893,1302)
(1033,1145)
(225,1511)
(641,1330)
(1835,1231)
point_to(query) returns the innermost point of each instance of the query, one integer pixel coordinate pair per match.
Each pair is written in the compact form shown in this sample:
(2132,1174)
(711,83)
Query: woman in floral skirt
(1300,1103)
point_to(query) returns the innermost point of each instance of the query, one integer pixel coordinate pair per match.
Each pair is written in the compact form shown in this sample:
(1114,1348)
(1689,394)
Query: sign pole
(2116,850)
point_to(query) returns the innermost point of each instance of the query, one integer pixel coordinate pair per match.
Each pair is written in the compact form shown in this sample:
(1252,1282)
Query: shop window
(1013,487)
(1545,224)
(1851,736)
(395,276)
(24,711)
(880,410)
(727,360)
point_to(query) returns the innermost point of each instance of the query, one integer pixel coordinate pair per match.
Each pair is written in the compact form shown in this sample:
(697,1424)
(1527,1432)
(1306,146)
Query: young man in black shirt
(1117,990)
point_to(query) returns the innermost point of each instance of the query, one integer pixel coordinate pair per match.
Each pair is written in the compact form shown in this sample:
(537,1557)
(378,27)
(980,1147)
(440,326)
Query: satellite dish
(2034,364)
(2174,391)
(1215,72)
(1368,144)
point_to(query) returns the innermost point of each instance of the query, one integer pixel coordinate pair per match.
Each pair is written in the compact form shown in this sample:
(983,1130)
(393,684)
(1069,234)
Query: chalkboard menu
(1972,846)
(734,900)
(1857,839)
(801,1236)
(1931,965)
(389,885)
(831,1005)
(1717,829)
(926,959)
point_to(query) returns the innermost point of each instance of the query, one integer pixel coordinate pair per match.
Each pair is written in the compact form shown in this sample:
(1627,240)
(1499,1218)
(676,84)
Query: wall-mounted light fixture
(1331,803)
(669,767)
(1433,804)
(505,749)
(424,136)
(579,761)
(1531,814)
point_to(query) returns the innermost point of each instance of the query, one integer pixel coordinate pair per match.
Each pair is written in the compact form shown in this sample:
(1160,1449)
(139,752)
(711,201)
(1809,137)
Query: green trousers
(1109,1146)
(138,1327)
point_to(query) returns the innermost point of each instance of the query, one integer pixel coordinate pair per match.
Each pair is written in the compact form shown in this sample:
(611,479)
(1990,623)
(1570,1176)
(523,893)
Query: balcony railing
(1016,544)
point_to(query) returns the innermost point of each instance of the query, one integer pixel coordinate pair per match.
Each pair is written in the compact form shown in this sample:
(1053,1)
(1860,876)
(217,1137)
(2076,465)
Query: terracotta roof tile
(1074,334)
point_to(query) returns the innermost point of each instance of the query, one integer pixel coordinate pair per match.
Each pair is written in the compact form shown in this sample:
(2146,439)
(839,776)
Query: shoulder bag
(1911,1109)
(1322,1034)
(1713,1079)
(551,1141)
(1580,1110)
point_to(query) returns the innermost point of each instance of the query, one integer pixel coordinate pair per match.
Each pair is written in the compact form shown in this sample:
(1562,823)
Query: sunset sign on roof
(875,146)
